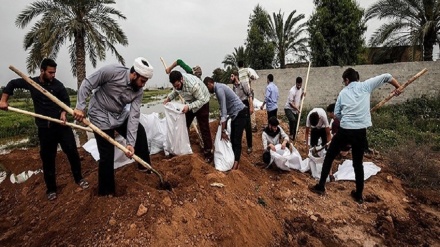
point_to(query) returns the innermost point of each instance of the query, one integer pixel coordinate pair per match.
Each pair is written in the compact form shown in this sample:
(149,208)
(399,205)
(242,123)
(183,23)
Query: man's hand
(397,92)
(4,105)
(78,115)
(166,101)
(185,109)
(283,145)
(272,147)
(168,70)
(225,136)
(261,107)
(63,117)
(130,152)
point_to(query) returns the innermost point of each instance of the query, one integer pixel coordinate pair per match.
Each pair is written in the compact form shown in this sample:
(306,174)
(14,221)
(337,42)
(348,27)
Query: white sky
(201,32)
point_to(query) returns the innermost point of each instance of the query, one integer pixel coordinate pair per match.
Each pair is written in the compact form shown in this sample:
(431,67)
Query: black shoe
(356,197)
(142,168)
(317,189)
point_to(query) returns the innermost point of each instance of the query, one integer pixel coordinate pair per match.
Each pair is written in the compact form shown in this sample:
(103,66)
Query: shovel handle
(85,121)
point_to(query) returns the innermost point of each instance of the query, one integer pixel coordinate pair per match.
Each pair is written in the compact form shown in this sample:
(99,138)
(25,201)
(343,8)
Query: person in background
(115,106)
(271,98)
(245,76)
(271,136)
(291,109)
(197,70)
(318,123)
(50,134)
(230,107)
(196,99)
(243,91)
(353,110)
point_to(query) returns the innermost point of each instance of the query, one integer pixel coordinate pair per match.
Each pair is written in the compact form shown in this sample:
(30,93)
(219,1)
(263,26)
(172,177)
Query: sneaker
(317,189)
(83,184)
(249,150)
(52,196)
(356,197)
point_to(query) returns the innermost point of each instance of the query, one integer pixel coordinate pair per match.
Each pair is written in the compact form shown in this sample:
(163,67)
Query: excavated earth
(255,207)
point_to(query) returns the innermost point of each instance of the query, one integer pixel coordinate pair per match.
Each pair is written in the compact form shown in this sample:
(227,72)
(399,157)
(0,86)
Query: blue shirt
(353,103)
(271,97)
(229,102)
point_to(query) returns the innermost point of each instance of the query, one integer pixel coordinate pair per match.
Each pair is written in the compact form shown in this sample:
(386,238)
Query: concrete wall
(325,83)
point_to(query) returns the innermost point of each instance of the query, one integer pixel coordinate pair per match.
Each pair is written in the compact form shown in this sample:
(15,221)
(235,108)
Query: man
(318,122)
(272,136)
(353,109)
(50,134)
(197,71)
(196,96)
(243,91)
(291,109)
(230,107)
(115,106)
(245,76)
(271,98)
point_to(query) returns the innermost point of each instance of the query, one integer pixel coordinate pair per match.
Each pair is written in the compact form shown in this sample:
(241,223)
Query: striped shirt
(194,92)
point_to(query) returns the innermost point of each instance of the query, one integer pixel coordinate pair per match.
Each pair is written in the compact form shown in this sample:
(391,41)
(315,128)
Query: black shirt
(42,104)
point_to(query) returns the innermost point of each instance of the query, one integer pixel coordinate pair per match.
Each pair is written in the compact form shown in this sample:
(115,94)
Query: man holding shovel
(50,134)
(353,109)
(115,106)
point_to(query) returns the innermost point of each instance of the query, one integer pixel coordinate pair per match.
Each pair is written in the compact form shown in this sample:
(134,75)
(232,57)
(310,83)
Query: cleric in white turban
(143,67)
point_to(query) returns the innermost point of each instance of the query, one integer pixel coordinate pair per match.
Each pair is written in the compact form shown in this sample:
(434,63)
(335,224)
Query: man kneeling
(272,136)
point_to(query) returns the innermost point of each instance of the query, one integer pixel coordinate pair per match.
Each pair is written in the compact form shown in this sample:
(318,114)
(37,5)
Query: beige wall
(325,83)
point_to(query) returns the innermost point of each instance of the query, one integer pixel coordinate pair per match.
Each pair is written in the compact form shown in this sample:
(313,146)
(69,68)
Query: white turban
(142,69)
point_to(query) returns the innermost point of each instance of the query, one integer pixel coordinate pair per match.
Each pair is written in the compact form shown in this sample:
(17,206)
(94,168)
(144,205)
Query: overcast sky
(201,32)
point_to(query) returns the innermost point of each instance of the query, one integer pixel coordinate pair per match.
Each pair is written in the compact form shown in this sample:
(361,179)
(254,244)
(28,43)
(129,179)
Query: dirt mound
(256,206)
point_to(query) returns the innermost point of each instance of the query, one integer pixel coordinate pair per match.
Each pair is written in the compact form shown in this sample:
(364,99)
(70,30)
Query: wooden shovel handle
(85,121)
(401,88)
(302,101)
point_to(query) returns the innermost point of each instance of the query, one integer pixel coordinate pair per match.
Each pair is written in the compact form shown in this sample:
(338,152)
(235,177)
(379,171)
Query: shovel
(163,184)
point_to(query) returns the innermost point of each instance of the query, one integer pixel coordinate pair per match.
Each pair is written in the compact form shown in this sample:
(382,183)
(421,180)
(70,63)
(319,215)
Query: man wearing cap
(115,106)
(196,97)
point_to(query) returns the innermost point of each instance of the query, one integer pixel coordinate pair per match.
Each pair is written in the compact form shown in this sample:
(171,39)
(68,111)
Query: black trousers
(49,140)
(248,126)
(356,138)
(271,114)
(315,134)
(237,127)
(106,173)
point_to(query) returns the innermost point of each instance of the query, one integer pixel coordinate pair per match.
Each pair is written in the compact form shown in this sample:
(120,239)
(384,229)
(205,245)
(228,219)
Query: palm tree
(86,24)
(409,22)
(285,37)
(232,59)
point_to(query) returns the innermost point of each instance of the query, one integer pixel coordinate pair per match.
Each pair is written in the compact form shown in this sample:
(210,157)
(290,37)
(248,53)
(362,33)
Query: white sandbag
(279,157)
(177,139)
(257,104)
(22,177)
(294,161)
(156,130)
(119,160)
(223,154)
(315,163)
(253,74)
(346,170)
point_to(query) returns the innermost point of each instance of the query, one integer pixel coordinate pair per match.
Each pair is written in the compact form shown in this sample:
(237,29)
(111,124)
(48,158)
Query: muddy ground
(256,206)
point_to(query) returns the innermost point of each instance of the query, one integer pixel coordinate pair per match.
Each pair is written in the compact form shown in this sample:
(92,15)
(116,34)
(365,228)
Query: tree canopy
(336,31)
(87,25)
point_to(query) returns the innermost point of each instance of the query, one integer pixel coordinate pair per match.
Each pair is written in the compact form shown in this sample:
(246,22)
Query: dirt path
(256,207)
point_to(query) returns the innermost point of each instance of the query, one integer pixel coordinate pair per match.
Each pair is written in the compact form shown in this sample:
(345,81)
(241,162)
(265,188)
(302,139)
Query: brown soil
(256,206)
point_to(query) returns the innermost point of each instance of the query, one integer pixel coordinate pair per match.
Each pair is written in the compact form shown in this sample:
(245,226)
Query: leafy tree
(336,31)
(86,24)
(232,59)
(285,37)
(222,75)
(260,51)
(409,22)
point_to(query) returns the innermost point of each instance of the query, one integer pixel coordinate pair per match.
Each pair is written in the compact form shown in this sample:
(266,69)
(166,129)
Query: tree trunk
(80,59)
(428,47)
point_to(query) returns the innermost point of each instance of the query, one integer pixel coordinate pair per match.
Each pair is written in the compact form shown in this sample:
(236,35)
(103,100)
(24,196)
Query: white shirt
(295,97)
(323,121)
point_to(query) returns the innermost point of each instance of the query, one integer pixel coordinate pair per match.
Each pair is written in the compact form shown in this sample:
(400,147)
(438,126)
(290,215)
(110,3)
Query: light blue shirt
(353,103)
(271,97)
(229,102)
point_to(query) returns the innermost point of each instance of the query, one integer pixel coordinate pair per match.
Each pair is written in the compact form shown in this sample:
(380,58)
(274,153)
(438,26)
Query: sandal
(52,196)
(83,184)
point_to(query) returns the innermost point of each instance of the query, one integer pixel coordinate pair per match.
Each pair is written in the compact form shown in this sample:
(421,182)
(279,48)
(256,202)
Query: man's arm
(9,90)
(4,101)
(182,64)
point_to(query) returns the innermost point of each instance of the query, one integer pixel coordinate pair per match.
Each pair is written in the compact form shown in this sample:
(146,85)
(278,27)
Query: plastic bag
(223,154)
(177,139)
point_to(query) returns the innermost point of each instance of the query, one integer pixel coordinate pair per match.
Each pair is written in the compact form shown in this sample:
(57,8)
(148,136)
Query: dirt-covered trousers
(202,116)
(106,175)
(356,138)
(49,140)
